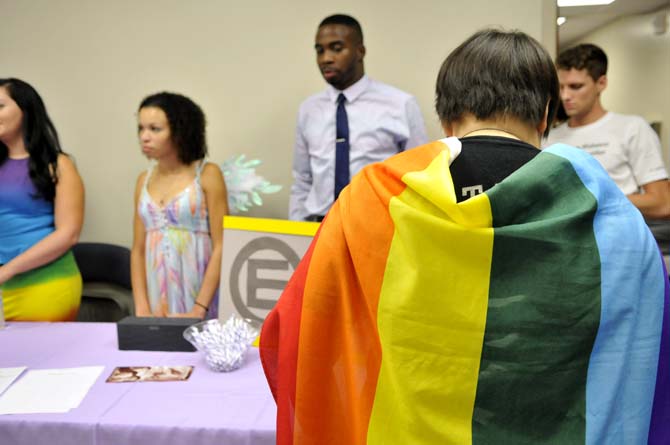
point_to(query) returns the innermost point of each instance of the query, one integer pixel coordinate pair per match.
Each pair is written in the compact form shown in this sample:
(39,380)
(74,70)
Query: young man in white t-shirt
(625,145)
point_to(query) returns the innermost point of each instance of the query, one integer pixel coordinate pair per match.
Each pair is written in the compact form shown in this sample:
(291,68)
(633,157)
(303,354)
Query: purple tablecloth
(209,408)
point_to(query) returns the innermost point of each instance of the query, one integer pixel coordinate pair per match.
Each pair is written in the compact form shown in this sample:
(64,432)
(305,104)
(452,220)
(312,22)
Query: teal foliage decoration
(244,185)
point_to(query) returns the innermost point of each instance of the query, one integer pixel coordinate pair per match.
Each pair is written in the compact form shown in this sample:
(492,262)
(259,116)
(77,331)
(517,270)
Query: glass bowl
(224,343)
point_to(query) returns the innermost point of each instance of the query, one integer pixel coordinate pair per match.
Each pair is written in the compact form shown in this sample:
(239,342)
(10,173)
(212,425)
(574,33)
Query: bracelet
(201,305)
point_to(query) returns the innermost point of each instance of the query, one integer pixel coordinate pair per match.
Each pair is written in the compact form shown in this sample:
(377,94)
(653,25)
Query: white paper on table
(49,390)
(8,375)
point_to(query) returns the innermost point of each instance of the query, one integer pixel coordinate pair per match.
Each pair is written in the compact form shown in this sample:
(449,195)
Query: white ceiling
(582,20)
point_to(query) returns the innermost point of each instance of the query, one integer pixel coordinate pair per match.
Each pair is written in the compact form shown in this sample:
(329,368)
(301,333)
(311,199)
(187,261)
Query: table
(209,408)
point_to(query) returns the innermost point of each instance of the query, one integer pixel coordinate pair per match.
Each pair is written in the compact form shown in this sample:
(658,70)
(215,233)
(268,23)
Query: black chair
(105,271)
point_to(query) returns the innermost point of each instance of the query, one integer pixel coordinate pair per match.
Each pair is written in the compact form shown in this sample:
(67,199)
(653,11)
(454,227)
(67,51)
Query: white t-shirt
(625,145)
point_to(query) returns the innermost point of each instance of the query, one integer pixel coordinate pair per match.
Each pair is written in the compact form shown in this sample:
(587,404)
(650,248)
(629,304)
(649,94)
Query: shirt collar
(352,92)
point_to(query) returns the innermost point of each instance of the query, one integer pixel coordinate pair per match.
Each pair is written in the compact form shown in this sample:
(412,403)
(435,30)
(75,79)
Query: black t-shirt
(485,161)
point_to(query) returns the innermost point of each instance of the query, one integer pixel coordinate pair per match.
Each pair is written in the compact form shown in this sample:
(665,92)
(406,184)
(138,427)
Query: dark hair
(497,73)
(39,136)
(346,20)
(187,124)
(585,56)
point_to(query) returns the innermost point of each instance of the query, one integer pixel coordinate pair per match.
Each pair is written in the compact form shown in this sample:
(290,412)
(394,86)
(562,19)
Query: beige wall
(248,64)
(639,70)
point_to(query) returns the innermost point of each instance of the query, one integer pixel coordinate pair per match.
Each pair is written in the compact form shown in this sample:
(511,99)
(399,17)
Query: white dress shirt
(383,121)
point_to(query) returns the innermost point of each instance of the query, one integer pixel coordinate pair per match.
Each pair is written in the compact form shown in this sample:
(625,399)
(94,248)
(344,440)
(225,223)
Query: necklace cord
(490,128)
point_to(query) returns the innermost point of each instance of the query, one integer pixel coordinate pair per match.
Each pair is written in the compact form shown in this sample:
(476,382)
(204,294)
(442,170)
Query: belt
(314,218)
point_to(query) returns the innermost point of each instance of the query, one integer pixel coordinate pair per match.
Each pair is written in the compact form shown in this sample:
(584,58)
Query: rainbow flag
(534,313)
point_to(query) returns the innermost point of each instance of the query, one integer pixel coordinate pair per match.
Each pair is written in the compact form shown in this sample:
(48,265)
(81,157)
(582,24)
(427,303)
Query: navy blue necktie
(341,146)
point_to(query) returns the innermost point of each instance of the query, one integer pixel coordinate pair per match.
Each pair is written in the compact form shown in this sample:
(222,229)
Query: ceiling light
(560,21)
(566,3)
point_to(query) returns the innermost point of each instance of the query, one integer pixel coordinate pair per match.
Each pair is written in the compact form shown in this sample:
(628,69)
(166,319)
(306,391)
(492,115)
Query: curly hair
(39,136)
(187,124)
(497,73)
(585,56)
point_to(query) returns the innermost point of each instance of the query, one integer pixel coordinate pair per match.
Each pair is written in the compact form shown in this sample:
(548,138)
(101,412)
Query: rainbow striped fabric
(48,293)
(535,313)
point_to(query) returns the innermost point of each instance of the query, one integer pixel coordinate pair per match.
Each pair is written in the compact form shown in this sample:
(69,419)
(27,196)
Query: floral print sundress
(178,247)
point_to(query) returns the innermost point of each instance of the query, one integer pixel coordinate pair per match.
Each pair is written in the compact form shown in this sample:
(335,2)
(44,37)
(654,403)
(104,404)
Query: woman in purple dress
(41,211)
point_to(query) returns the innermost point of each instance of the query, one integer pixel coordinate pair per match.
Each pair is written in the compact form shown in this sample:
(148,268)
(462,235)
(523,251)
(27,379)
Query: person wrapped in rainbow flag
(477,290)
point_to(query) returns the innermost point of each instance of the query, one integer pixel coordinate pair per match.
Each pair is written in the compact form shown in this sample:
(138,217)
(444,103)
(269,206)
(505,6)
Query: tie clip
(340,140)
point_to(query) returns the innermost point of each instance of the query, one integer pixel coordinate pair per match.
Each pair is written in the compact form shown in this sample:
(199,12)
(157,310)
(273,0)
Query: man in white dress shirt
(380,120)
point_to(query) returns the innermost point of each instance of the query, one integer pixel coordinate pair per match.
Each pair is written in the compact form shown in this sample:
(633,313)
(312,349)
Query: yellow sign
(259,257)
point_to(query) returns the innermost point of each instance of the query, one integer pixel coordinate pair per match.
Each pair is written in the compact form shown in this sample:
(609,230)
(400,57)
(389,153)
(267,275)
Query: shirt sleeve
(302,176)
(644,154)
(417,129)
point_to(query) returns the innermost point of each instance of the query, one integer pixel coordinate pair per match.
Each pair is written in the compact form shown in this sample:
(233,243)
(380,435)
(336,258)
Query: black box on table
(154,334)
